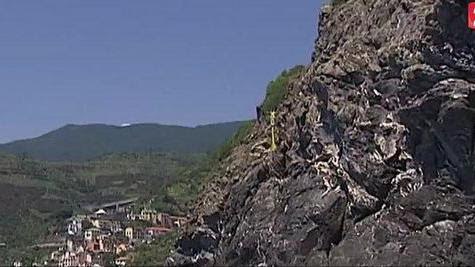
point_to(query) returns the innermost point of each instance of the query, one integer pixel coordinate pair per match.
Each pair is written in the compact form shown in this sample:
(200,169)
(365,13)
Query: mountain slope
(84,142)
(375,157)
(36,197)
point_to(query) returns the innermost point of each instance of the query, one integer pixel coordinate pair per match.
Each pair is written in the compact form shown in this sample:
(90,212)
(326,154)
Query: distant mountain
(85,142)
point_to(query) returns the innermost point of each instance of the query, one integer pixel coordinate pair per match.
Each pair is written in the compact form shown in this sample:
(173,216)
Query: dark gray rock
(375,164)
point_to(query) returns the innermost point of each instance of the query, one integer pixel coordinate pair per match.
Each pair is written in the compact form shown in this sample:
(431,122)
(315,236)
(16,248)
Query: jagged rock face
(375,164)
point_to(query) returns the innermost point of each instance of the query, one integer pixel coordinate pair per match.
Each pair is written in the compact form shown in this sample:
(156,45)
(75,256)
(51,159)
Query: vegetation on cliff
(277,89)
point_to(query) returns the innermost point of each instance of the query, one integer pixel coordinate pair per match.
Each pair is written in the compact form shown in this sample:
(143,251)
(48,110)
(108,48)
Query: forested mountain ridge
(86,142)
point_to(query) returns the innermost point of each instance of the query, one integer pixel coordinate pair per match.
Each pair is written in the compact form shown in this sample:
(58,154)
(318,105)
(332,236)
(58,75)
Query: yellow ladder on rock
(273,146)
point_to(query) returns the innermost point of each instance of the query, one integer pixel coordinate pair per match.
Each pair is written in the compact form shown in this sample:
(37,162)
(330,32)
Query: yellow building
(148,215)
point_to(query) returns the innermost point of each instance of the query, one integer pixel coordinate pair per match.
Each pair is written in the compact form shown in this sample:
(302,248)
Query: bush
(338,2)
(277,89)
(156,253)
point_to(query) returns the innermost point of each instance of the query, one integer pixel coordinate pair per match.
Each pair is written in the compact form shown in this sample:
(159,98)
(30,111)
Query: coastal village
(106,236)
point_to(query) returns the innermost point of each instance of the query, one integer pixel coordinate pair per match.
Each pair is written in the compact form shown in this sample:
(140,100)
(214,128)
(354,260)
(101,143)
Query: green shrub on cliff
(277,89)
(338,2)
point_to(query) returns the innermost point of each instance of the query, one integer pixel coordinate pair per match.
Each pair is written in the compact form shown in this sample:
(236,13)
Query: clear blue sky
(180,62)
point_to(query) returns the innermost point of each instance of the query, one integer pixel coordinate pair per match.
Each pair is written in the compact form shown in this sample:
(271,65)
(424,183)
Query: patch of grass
(277,89)
(337,2)
(156,253)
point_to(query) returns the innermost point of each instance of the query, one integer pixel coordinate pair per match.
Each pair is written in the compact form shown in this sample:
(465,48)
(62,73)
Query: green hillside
(36,196)
(86,142)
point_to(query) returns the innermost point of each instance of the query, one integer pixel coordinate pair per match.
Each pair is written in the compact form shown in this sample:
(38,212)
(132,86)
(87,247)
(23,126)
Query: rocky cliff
(375,158)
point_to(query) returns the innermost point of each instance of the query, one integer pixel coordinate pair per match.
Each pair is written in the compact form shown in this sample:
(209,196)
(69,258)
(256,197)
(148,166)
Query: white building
(68,259)
(74,227)
(91,233)
(129,233)
(100,212)
(121,261)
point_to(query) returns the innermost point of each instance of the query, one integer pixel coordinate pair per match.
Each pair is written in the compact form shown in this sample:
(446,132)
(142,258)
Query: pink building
(156,231)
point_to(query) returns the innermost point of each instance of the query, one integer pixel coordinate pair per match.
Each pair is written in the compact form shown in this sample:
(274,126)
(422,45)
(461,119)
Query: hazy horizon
(169,62)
